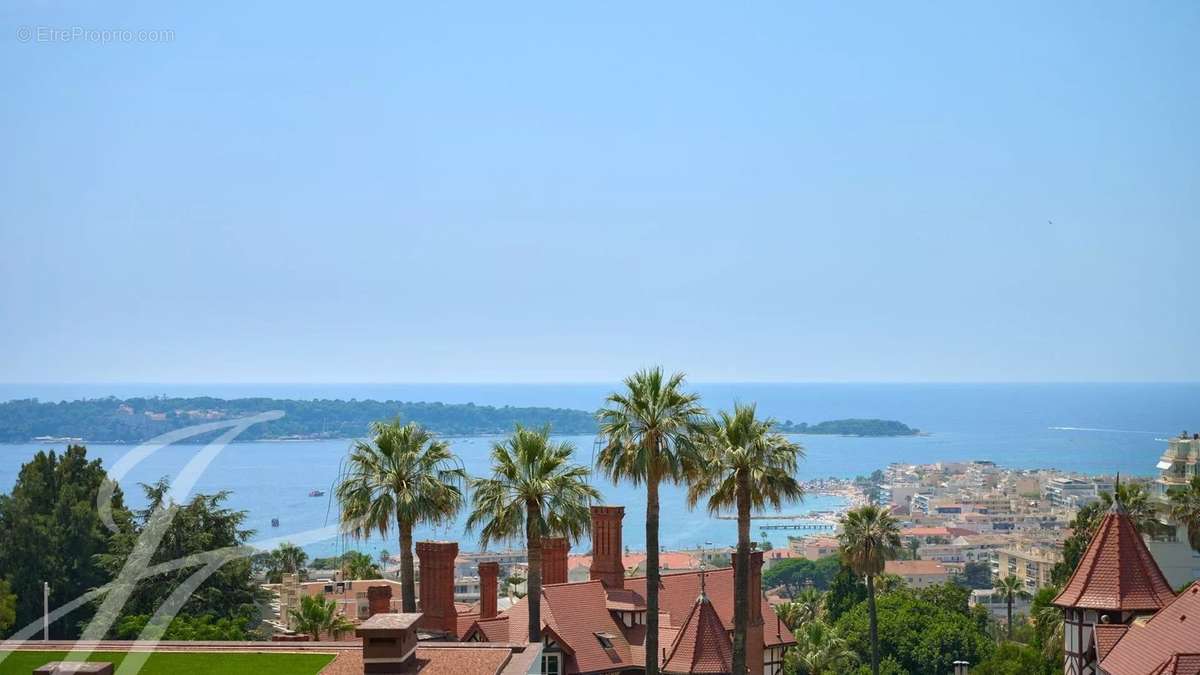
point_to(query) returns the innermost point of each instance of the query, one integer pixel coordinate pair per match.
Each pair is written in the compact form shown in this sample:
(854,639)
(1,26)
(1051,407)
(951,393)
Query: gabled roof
(1168,642)
(678,592)
(1116,571)
(702,645)
(573,615)
(1107,635)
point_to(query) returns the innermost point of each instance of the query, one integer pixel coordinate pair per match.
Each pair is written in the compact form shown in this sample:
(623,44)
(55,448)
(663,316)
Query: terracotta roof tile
(1170,638)
(1116,571)
(1107,635)
(679,592)
(1180,664)
(911,567)
(702,644)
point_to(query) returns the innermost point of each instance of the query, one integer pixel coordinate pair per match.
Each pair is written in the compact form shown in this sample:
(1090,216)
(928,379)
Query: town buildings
(918,573)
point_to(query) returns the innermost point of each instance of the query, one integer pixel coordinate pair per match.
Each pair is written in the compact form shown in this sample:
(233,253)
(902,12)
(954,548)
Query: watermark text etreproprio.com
(60,34)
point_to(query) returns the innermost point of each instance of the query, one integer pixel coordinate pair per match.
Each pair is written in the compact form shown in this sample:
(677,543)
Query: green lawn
(185,663)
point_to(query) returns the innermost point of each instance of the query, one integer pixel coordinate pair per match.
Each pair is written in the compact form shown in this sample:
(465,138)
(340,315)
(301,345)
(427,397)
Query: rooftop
(1116,571)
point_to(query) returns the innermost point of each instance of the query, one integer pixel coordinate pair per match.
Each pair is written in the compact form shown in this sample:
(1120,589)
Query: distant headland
(134,420)
(851,427)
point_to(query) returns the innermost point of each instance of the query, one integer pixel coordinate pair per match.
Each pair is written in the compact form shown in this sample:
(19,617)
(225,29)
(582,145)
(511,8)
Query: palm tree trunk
(652,576)
(1010,604)
(741,572)
(533,547)
(408,589)
(874,624)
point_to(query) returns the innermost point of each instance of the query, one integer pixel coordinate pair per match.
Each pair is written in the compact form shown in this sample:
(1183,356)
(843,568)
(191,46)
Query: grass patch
(183,663)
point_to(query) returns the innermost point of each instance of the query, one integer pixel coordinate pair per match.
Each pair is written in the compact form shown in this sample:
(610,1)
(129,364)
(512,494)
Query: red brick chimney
(379,600)
(554,560)
(754,636)
(489,575)
(606,546)
(437,585)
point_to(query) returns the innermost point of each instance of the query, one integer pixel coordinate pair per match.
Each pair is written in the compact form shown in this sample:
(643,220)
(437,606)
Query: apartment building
(1032,565)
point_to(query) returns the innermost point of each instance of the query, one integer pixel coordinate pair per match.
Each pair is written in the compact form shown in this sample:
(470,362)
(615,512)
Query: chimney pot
(379,600)
(554,560)
(607,566)
(489,575)
(437,585)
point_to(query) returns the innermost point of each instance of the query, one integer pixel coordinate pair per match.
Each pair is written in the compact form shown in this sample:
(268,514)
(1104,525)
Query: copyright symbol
(24,34)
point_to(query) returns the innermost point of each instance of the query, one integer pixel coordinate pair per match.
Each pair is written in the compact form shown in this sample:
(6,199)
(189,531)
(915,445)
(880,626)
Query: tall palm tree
(648,430)
(1011,589)
(402,478)
(747,466)
(1137,504)
(316,615)
(535,491)
(914,548)
(1185,508)
(870,536)
(819,650)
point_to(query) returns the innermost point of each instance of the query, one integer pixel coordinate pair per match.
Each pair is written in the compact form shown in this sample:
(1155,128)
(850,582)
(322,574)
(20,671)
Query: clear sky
(565,191)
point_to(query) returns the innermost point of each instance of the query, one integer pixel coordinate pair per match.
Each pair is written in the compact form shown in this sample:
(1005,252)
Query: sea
(1088,428)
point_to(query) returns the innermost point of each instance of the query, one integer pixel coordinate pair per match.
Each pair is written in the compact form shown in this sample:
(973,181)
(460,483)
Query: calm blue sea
(1094,428)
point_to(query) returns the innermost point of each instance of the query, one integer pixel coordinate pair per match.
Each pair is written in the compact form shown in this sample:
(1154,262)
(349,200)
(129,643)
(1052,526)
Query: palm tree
(819,650)
(402,478)
(1137,504)
(1011,589)
(648,430)
(870,536)
(317,615)
(359,565)
(1185,509)
(808,605)
(534,491)
(287,558)
(914,548)
(746,465)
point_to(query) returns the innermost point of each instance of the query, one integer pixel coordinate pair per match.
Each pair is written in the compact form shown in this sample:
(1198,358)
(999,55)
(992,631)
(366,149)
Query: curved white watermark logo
(138,565)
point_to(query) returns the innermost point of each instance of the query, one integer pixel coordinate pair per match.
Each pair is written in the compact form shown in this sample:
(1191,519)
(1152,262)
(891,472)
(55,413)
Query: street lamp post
(45,611)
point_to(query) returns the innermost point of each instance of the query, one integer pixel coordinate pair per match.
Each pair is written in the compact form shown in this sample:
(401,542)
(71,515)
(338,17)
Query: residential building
(1032,565)
(918,573)
(815,548)
(1120,615)
(599,625)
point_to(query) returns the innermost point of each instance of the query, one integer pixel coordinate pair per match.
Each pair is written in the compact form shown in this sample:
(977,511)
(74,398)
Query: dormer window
(605,639)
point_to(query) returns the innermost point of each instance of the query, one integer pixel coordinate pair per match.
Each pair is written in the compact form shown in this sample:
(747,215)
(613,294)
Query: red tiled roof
(1107,635)
(1170,638)
(1180,664)
(911,567)
(492,630)
(679,592)
(572,613)
(1116,571)
(702,644)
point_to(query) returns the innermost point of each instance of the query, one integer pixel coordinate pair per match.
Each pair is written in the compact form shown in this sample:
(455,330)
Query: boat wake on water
(1107,431)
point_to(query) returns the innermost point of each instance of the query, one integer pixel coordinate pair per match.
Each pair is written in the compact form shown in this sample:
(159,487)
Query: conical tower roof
(1116,571)
(702,645)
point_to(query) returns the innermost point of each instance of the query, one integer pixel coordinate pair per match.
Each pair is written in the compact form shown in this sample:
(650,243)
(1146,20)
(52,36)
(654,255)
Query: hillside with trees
(112,420)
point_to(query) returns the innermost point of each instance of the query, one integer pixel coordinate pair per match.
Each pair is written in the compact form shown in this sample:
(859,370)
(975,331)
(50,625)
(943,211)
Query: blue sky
(568,191)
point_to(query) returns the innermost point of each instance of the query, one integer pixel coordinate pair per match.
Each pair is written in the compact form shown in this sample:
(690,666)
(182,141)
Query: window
(550,664)
(605,639)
